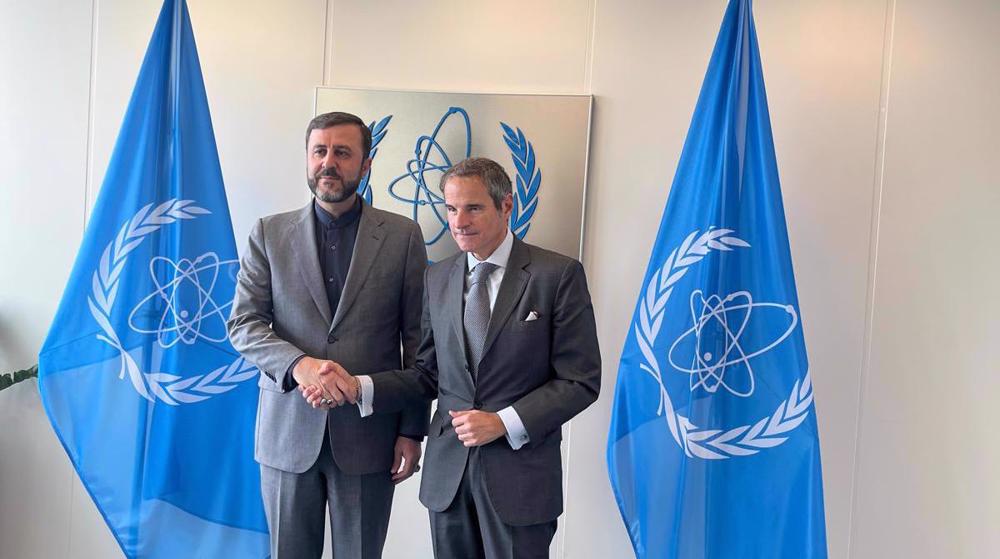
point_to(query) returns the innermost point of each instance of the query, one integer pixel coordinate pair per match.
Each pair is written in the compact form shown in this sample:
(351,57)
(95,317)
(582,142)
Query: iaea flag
(713,449)
(153,406)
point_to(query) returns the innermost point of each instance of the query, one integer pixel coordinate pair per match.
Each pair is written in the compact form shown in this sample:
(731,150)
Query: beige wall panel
(123,29)
(518,46)
(44,96)
(262,61)
(927,484)
(35,479)
(45,52)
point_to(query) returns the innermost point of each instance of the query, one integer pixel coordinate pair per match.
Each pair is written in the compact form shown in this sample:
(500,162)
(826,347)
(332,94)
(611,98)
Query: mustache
(332,173)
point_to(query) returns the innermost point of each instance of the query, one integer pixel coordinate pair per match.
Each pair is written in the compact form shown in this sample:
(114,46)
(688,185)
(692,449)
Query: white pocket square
(533,315)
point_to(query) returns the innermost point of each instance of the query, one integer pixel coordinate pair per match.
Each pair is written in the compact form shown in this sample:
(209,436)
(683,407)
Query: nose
(328,160)
(460,219)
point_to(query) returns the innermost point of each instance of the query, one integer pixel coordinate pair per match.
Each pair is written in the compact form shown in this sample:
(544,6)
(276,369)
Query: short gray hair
(490,172)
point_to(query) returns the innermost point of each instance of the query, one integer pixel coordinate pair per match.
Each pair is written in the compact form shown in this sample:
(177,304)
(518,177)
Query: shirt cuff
(517,436)
(288,382)
(367,393)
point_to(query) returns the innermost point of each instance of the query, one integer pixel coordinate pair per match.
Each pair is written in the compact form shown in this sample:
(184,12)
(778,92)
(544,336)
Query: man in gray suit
(337,280)
(510,352)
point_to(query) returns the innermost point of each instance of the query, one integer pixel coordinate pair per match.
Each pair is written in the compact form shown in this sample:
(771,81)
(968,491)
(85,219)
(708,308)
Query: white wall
(927,454)
(893,254)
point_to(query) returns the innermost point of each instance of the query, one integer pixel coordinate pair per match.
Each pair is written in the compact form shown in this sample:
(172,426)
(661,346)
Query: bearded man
(336,280)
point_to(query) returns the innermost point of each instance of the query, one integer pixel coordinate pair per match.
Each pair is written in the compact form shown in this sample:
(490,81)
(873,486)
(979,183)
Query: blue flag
(713,449)
(153,406)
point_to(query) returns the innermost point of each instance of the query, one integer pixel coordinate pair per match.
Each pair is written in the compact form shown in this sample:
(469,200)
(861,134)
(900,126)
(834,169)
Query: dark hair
(327,120)
(490,172)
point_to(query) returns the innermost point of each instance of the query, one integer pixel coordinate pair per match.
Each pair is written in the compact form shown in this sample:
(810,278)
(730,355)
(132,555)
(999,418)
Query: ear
(366,165)
(507,206)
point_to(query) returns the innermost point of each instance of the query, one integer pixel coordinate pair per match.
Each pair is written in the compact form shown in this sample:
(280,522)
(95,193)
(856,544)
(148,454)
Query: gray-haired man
(510,352)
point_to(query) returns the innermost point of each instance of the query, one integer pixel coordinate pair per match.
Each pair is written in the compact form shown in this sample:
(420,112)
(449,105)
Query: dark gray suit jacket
(549,369)
(281,312)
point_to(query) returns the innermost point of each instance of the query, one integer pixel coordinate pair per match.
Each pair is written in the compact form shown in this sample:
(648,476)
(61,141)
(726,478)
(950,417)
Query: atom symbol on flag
(719,324)
(187,302)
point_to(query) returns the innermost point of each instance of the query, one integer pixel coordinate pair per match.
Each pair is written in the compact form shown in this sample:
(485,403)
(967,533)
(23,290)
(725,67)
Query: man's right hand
(335,384)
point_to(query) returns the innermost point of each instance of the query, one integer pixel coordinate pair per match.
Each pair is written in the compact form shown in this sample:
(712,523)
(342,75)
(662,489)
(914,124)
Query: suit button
(477,405)
(331,339)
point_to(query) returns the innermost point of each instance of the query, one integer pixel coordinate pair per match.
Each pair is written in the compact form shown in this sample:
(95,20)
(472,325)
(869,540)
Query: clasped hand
(325,384)
(477,428)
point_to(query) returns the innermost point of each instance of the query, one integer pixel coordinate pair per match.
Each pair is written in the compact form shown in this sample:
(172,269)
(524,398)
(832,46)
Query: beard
(332,196)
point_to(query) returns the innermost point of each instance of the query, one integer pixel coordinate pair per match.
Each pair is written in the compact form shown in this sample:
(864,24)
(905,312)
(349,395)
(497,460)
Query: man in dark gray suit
(337,280)
(510,352)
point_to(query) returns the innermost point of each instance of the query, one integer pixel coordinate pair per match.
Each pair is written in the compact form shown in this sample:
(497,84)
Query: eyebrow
(342,146)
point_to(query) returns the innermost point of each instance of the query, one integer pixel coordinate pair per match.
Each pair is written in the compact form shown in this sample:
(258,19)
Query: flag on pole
(153,406)
(713,449)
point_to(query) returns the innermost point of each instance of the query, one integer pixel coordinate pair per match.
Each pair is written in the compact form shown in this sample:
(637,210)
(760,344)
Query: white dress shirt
(517,436)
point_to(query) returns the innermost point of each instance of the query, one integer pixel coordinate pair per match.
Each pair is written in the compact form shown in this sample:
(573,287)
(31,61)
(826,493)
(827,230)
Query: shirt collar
(326,220)
(499,257)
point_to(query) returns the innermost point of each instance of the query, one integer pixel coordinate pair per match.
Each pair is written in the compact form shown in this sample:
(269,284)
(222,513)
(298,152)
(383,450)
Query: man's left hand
(406,459)
(476,428)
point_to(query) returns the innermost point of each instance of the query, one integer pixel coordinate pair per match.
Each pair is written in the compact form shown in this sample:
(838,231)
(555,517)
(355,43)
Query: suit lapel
(303,246)
(366,249)
(455,295)
(515,279)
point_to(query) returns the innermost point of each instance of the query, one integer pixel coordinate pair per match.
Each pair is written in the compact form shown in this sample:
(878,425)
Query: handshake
(325,384)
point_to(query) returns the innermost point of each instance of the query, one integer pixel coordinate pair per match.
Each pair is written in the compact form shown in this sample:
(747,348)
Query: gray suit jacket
(549,369)
(281,312)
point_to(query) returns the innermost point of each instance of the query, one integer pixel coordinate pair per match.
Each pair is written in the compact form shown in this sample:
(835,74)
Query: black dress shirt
(335,238)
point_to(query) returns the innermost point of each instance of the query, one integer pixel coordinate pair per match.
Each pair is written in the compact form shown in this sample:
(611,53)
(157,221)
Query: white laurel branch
(713,444)
(168,388)
(173,389)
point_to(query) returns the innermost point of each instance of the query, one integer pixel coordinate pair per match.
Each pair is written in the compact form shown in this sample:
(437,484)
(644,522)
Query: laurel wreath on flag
(711,444)
(379,131)
(529,179)
(165,387)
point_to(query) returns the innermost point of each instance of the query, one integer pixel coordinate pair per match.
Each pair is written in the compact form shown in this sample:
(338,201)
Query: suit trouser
(295,505)
(470,527)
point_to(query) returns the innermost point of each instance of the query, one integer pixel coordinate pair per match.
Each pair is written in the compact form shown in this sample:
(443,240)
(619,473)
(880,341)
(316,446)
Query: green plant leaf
(9,379)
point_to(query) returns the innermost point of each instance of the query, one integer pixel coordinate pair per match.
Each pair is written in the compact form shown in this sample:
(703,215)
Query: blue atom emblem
(713,347)
(430,160)
(186,305)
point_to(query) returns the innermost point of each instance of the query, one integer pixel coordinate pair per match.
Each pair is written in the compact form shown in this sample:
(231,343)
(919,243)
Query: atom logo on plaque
(416,136)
